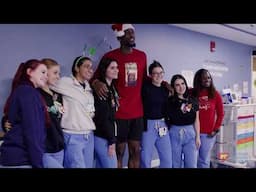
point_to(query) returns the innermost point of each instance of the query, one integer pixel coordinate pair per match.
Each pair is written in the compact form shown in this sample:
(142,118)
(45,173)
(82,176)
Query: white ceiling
(242,33)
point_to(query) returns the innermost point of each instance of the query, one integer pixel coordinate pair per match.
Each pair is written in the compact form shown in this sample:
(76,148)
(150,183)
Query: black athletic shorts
(129,129)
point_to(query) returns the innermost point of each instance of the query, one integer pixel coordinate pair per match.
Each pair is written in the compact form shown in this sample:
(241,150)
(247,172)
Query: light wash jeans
(79,150)
(204,156)
(183,140)
(151,138)
(103,160)
(53,160)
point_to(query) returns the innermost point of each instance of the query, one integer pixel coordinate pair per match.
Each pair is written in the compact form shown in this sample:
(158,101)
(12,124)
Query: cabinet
(235,145)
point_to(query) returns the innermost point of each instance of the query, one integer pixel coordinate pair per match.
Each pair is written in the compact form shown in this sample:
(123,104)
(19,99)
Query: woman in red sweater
(211,114)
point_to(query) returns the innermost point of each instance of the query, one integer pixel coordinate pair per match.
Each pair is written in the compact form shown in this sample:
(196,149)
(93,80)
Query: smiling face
(179,87)
(53,74)
(157,75)
(128,40)
(84,71)
(38,76)
(206,79)
(112,71)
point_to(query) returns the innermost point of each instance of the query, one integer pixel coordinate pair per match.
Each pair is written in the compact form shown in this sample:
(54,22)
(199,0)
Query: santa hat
(120,28)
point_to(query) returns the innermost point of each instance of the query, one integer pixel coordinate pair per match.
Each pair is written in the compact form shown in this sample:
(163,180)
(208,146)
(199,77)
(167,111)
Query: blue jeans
(53,160)
(79,150)
(103,160)
(205,149)
(151,138)
(183,140)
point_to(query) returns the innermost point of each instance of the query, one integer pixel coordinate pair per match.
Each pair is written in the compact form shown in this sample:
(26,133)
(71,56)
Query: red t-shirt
(211,112)
(132,72)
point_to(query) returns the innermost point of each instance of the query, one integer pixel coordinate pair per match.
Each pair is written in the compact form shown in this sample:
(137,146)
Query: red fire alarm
(212,46)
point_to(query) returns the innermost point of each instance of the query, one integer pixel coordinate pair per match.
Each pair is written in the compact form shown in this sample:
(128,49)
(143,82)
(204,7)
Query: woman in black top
(54,154)
(155,96)
(184,120)
(105,133)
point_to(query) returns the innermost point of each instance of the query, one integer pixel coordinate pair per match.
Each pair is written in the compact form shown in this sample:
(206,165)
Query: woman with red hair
(24,144)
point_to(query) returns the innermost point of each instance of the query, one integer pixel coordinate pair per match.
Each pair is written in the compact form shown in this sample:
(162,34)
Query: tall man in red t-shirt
(132,64)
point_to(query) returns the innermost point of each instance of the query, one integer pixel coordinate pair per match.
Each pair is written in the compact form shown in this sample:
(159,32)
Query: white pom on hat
(120,28)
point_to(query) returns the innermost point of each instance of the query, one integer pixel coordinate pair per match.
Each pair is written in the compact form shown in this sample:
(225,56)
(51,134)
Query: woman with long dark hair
(184,120)
(106,130)
(211,114)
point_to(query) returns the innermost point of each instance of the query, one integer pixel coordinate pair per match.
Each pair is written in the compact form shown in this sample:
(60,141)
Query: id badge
(162,131)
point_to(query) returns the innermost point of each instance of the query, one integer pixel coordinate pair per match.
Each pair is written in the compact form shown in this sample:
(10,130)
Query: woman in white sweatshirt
(77,122)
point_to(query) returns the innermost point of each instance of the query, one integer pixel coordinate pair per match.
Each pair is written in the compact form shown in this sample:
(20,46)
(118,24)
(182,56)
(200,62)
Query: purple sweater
(24,144)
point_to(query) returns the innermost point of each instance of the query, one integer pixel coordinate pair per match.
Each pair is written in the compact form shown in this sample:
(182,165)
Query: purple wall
(62,42)
(179,49)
